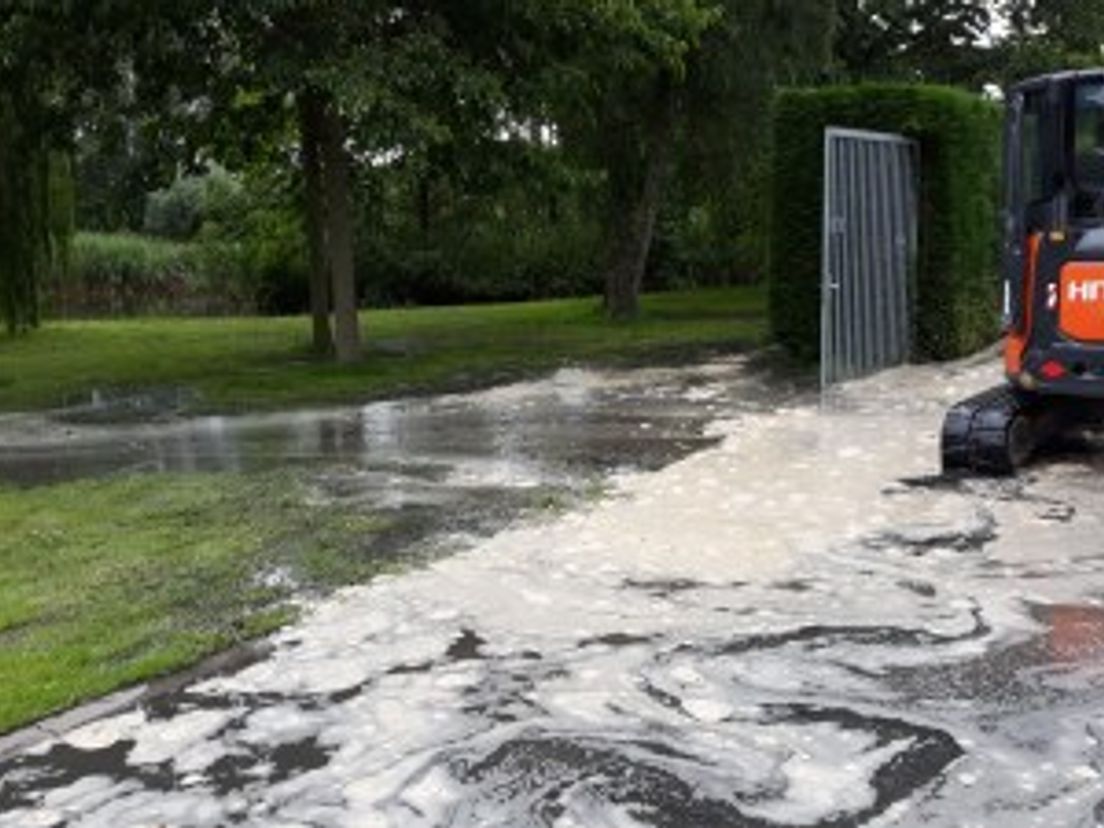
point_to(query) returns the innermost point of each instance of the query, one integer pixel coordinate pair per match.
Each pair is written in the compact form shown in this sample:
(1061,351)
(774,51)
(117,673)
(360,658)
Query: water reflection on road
(575,421)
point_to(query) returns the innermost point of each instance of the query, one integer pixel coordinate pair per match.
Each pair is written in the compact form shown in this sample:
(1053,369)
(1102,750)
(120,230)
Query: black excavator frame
(1052,217)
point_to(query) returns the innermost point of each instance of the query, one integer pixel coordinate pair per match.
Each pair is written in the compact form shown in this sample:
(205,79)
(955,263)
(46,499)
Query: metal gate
(870,219)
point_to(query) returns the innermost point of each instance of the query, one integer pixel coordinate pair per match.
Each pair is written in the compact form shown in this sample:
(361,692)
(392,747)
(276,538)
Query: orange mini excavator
(1053,279)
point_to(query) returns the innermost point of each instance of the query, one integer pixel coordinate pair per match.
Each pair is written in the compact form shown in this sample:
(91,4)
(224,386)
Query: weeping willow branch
(36,217)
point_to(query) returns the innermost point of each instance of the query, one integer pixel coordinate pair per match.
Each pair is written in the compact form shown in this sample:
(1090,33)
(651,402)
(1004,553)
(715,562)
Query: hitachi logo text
(1086,291)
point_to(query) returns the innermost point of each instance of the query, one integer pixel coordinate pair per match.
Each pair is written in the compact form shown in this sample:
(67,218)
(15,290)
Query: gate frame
(828,285)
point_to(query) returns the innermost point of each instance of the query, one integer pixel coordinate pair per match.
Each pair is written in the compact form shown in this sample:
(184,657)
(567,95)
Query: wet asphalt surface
(776,617)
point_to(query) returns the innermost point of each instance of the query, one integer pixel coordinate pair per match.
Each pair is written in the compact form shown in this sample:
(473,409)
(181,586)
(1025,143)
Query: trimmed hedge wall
(957,285)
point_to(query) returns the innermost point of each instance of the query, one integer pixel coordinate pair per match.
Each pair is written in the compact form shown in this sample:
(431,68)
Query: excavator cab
(1053,278)
(1054,235)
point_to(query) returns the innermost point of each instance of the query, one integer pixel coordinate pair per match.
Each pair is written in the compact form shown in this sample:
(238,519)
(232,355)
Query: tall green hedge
(956,287)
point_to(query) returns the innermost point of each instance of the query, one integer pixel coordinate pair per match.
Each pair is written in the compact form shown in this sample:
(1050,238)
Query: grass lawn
(106,583)
(255,363)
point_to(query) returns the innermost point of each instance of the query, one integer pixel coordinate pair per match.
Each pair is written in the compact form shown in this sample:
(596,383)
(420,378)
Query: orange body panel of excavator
(1081,301)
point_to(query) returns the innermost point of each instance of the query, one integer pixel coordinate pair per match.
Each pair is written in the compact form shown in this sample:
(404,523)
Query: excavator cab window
(1033,177)
(1030,176)
(1033,186)
(1088,151)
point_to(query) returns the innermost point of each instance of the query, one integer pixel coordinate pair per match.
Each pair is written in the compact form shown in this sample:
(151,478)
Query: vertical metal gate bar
(852,270)
(835,296)
(899,254)
(838,296)
(894,169)
(903,243)
(883,286)
(853,284)
(894,352)
(867,154)
(864,151)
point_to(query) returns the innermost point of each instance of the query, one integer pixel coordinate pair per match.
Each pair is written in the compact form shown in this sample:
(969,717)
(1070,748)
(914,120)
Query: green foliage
(115,167)
(126,274)
(224,243)
(251,239)
(61,201)
(701,243)
(503,257)
(1049,36)
(520,226)
(956,293)
(1073,25)
(175,212)
(713,225)
(935,41)
(181,209)
(968,42)
(36,209)
(454,92)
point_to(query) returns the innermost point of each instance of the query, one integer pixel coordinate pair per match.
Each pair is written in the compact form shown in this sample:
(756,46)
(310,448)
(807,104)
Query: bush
(252,241)
(176,211)
(127,274)
(956,308)
(240,247)
(262,272)
(696,246)
(483,252)
(179,211)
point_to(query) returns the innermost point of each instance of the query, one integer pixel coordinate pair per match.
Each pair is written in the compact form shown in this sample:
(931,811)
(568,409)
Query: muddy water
(798,626)
(574,421)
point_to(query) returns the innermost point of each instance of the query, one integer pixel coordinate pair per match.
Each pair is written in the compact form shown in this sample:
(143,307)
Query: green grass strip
(264,363)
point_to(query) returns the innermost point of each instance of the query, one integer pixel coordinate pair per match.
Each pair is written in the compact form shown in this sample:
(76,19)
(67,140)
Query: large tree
(273,91)
(938,41)
(694,90)
(351,83)
(620,106)
(1049,35)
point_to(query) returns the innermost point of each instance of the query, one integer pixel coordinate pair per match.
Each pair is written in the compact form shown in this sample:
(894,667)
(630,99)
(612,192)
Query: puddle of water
(1075,634)
(574,421)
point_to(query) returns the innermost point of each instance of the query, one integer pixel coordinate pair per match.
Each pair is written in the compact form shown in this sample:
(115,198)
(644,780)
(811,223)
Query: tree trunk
(424,207)
(311,128)
(339,235)
(635,220)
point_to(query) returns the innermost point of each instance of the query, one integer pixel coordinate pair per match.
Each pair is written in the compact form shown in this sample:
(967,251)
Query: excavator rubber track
(997,432)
